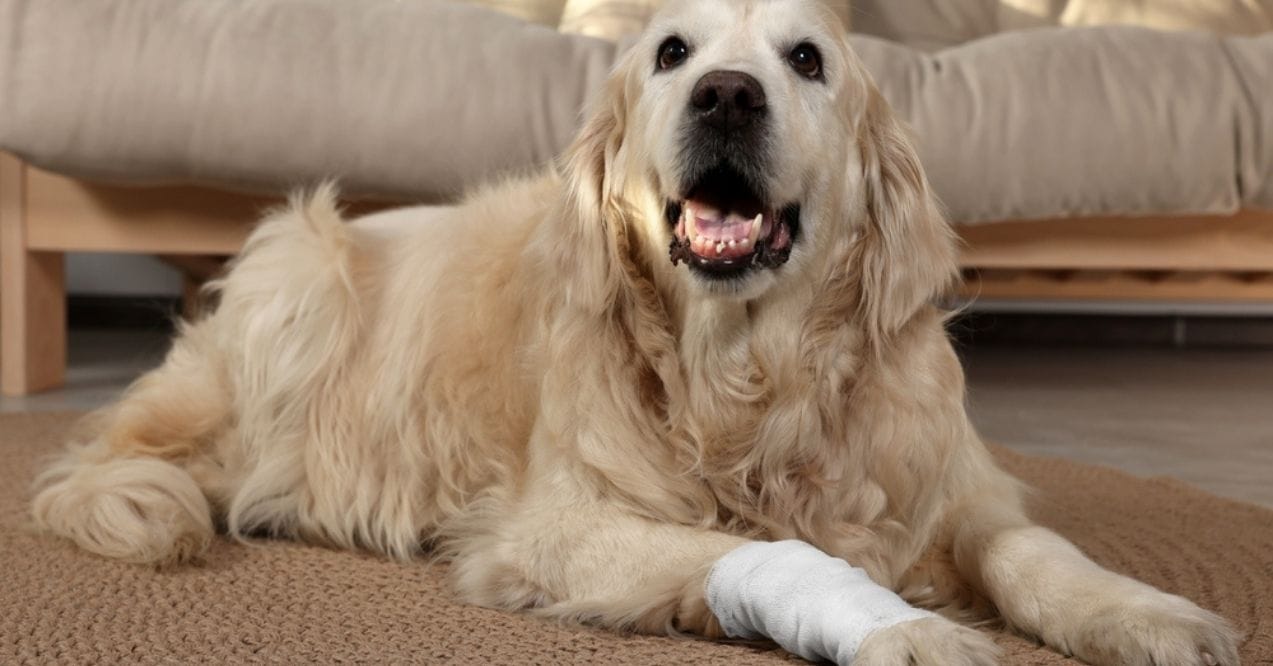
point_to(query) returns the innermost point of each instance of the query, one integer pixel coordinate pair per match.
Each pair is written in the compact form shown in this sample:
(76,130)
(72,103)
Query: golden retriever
(711,323)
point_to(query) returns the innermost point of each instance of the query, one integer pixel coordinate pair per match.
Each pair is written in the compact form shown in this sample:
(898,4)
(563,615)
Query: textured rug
(285,602)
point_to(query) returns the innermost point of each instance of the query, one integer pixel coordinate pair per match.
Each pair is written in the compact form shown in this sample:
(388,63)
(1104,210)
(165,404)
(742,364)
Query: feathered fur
(526,386)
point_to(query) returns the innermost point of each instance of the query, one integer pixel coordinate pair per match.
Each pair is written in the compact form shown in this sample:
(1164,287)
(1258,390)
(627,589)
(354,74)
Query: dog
(711,323)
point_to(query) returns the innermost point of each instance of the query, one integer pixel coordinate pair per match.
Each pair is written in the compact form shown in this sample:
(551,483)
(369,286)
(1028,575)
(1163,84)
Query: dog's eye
(672,52)
(806,60)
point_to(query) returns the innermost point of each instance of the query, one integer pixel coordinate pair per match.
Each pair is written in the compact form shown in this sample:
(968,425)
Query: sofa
(1077,161)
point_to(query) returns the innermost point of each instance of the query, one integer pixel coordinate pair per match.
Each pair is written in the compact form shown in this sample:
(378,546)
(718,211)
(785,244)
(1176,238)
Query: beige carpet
(285,602)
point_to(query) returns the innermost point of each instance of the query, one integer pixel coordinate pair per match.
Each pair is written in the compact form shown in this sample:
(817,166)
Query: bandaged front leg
(806,601)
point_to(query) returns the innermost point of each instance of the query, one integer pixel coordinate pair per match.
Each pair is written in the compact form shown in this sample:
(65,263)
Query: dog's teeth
(755,228)
(733,245)
(720,247)
(691,223)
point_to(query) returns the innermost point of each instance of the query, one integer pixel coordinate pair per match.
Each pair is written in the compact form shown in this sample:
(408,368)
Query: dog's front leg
(596,565)
(1043,585)
(567,549)
(563,546)
(604,566)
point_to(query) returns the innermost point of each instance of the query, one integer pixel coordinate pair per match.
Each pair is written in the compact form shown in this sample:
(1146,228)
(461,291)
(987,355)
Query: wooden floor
(1202,416)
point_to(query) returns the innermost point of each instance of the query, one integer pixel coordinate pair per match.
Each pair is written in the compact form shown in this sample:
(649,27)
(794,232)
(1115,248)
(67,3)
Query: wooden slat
(67,214)
(1195,286)
(32,296)
(1241,242)
(72,215)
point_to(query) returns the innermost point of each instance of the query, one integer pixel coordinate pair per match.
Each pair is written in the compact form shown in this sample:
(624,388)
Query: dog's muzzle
(724,225)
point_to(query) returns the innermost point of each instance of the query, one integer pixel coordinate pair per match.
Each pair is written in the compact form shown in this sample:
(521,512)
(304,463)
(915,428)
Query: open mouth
(723,228)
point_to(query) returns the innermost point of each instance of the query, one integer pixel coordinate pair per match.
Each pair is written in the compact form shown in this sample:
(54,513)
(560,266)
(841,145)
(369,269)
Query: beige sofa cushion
(543,12)
(615,19)
(414,99)
(422,99)
(1065,122)
(1231,17)
(932,25)
(928,25)
(606,19)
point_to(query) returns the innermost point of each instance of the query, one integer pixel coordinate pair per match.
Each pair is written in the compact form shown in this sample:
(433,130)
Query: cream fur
(525,386)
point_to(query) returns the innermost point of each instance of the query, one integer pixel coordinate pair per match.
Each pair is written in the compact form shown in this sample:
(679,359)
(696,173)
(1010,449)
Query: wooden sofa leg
(32,297)
(191,303)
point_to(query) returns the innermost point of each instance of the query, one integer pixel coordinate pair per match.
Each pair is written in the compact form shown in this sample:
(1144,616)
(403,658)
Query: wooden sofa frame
(44,215)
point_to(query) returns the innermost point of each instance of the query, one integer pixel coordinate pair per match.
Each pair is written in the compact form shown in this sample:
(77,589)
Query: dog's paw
(1155,630)
(936,641)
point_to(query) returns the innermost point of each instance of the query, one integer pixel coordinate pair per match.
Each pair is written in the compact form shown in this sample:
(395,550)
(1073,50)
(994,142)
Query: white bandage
(806,601)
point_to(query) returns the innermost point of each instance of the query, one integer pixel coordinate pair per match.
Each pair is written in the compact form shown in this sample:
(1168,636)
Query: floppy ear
(605,276)
(592,208)
(615,336)
(908,250)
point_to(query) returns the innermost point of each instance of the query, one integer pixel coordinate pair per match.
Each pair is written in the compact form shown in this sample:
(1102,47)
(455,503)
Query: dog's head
(743,141)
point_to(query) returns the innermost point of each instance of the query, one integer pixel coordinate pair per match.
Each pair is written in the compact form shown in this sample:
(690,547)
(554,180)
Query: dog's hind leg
(142,485)
(124,490)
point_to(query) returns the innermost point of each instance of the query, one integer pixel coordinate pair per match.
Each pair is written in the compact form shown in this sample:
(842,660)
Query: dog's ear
(907,256)
(594,208)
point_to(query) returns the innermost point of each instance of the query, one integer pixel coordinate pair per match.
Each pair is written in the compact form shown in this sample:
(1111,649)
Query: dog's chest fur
(780,441)
(754,408)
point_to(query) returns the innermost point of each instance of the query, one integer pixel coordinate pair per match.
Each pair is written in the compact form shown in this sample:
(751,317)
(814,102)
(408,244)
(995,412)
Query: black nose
(728,100)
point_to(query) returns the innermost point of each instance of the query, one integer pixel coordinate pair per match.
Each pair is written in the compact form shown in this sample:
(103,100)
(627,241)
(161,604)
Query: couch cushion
(932,25)
(1229,17)
(616,19)
(1252,60)
(412,99)
(419,100)
(928,25)
(543,12)
(607,19)
(1094,121)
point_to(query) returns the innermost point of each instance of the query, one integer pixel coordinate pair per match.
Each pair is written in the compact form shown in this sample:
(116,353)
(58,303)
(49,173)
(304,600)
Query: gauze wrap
(811,604)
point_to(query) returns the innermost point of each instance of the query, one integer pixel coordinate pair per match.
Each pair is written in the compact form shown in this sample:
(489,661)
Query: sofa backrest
(932,25)
(1024,124)
(544,12)
(607,19)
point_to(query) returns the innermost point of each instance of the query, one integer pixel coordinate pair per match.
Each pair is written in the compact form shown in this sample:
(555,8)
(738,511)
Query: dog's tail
(137,509)
(143,480)
(124,488)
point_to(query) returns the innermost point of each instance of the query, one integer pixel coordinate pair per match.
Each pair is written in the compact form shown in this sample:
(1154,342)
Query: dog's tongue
(713,225)
(715,234)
